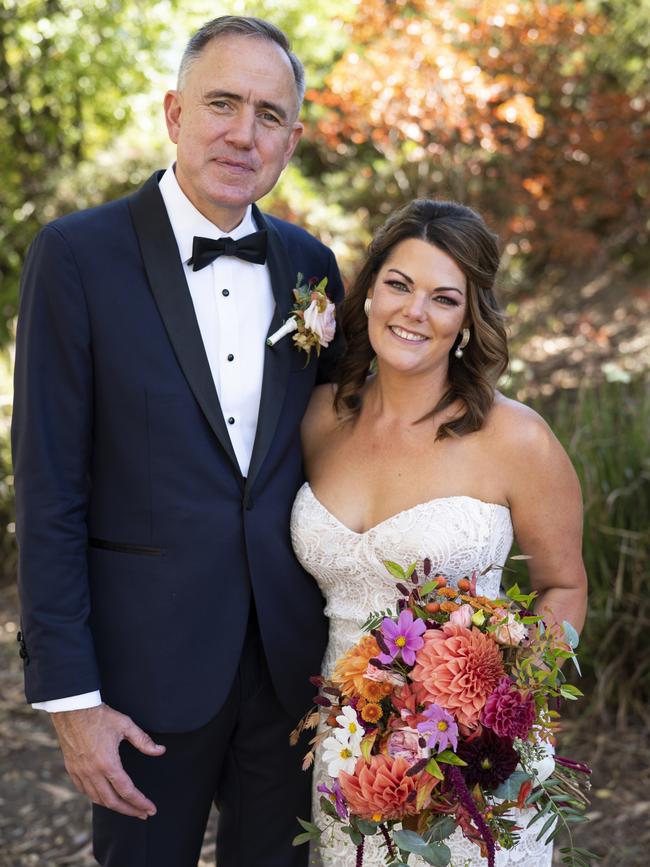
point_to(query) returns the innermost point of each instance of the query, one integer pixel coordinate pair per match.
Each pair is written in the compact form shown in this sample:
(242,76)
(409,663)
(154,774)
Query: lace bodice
(459,535)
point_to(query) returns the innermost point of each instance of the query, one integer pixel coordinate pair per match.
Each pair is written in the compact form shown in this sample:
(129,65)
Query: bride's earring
(463,343)
(367,304)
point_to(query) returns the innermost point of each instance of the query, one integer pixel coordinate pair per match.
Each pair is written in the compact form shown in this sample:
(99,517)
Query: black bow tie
(251,248)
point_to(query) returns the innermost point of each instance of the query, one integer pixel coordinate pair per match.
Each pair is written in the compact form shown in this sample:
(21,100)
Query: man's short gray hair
(227,25)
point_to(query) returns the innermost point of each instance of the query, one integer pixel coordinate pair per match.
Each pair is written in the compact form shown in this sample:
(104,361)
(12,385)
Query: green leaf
(409,841)
(546,826)
(305,837)
(395,570)
(328,807)
(308,826)
(570,692)
(355,835)
(447,757)
(513,592)
(366,827)
(571,634)
(428,587)
(440,829)
(411,570)
(437,854)
(433,768)
(509,789)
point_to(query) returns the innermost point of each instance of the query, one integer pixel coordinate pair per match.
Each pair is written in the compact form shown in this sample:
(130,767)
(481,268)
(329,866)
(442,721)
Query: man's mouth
(233,165)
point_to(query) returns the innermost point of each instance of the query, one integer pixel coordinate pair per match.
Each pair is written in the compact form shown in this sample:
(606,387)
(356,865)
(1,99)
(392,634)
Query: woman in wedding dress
(417,455)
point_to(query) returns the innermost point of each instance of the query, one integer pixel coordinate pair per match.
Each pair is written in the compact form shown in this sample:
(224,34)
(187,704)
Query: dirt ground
(45,823)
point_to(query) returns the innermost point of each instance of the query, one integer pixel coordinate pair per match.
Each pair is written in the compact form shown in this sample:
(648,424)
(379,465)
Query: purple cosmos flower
(441,728)
(336,797)
(403,637)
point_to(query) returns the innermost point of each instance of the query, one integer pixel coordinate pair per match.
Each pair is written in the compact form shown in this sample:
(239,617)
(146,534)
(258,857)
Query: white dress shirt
(234,304)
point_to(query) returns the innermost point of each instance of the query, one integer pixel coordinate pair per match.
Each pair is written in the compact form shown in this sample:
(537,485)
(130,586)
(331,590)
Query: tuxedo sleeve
(329,357)
(51,441)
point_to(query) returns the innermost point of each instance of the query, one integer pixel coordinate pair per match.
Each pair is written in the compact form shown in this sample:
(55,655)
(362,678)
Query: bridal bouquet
(439,718)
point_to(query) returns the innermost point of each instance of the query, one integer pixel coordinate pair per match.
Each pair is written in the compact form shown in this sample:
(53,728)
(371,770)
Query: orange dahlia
(380,788)
(350,669)
(458,668)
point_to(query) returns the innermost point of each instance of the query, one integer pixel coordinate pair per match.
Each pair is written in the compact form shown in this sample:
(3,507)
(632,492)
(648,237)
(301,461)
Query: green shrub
(604,428)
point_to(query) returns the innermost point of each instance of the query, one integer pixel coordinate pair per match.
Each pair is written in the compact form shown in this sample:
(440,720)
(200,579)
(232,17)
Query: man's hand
(90,740)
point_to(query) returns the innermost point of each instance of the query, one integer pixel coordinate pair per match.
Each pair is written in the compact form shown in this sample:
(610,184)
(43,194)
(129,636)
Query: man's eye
(267,117)
(219,103)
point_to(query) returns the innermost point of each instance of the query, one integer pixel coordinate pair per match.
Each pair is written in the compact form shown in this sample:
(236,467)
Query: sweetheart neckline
(398,514)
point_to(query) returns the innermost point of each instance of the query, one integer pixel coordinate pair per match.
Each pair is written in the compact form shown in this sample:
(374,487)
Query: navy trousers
(242,761)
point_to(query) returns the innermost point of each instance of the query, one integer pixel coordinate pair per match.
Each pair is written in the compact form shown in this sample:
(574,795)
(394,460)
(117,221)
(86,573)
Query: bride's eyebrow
(402,274)
(437,289)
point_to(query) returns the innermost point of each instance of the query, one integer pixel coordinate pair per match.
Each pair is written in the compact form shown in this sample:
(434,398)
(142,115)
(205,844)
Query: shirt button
(231,357)
(225,292)
(231,420)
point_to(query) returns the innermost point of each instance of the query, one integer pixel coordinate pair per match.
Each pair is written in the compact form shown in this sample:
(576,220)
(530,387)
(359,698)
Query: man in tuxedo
(166,625)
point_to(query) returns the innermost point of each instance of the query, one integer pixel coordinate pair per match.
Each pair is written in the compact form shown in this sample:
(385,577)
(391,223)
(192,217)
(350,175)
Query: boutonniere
(312,321)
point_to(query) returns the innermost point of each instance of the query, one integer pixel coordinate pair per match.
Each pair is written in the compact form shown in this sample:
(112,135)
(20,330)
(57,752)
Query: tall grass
(605,429)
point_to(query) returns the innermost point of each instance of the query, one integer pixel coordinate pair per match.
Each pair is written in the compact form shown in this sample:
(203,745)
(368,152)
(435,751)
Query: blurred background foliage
(535,113)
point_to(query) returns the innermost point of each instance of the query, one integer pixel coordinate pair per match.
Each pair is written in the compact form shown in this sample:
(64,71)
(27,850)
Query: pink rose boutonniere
(312,320)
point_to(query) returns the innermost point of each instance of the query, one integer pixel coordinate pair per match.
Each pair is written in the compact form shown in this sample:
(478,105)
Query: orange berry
(440,580)
(432,607)
(463,584)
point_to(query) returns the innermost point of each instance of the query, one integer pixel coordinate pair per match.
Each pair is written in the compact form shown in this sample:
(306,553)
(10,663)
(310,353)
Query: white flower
(339,753)
(349,722)
(509,630)
(323,324)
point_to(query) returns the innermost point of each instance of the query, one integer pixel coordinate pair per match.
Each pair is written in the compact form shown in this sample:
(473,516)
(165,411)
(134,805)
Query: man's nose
(241,129)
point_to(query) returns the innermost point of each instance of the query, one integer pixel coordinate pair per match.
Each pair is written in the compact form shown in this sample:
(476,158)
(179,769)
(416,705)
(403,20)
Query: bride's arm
(546,506)
(317,425)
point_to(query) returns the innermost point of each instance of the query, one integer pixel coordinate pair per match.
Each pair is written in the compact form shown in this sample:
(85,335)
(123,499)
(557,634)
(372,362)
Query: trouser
(242,761)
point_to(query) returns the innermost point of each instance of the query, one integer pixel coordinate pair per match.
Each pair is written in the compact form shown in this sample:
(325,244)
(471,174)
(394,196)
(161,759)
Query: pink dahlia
(509,712)
(457,668)
(380,789)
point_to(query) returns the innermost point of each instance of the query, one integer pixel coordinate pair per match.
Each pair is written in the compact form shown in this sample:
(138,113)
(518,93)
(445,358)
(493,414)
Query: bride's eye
(397,284)
(445,299)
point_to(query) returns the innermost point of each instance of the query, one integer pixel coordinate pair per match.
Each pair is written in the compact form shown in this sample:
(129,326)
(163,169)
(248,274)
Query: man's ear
(172,105)
(292,143)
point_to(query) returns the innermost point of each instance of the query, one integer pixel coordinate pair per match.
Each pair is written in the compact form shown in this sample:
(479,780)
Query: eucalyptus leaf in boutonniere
(313,319)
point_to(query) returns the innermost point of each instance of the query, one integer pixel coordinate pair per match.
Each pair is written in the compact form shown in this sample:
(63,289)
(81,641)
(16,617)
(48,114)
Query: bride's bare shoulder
(517,427)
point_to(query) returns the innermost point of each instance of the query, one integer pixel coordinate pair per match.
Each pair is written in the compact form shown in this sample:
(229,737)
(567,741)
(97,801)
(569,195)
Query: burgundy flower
(490,759)
(509,712)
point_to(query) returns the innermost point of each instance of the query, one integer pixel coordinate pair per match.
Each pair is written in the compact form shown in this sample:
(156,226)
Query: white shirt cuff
(73,702)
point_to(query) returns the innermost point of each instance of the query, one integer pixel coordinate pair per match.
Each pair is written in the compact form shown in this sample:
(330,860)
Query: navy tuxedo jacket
(141,544)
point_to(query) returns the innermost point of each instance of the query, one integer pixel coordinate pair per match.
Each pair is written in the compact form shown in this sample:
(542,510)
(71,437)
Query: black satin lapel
(277,359)
(172,295)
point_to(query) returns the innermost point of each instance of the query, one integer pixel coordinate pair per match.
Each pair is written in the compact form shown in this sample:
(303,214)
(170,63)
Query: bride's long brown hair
(461,233)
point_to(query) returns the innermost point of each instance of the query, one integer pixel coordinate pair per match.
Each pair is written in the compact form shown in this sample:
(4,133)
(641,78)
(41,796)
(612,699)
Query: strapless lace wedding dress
(459,535)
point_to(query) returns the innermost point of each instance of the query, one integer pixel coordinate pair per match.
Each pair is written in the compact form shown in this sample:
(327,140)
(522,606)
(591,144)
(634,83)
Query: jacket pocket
(125,548)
